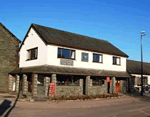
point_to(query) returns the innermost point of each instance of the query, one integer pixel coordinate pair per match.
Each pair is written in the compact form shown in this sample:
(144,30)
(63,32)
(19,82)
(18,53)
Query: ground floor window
(138,81)
(63,80)
(40,80)
(98,81)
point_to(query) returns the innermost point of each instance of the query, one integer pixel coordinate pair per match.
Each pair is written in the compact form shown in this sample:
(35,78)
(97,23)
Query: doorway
(118,86)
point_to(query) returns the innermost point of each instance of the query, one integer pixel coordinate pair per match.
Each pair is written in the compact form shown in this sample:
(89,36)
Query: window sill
(66,58)
(30,59)
(84,61)
(68,85)
(117,64)
(97,62)
(98,85)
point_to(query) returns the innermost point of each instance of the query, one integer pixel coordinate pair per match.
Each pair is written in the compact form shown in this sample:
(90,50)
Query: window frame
(99,56)
(70,50)
(30,54)
(67,81)
(116,60)
(82,56)
(98,81)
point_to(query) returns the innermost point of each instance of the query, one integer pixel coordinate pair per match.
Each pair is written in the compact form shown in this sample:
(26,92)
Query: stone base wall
(94,90)
(123,86)
(68,91)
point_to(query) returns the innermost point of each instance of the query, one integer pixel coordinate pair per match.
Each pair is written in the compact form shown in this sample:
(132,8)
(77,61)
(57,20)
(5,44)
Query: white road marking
(144,112)
(139,109)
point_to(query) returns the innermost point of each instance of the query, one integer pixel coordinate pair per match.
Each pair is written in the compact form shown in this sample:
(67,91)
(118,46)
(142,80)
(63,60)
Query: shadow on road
(9,111)
(4,106)
(7,114)
(141,98)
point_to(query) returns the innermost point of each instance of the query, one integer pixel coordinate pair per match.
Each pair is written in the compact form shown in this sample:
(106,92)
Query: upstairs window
(32,54)
(97,58)
(85,57)
(66,53)
(116,60)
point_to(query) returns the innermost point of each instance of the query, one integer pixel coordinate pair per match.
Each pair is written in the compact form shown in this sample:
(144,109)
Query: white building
(77,64)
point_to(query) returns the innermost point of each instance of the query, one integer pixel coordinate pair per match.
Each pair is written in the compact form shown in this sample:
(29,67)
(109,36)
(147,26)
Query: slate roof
(49,69)
(134,67)
(68,39)
(10,32)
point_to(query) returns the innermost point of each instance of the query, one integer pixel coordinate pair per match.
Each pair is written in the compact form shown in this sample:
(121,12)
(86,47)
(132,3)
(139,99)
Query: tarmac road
(123,109)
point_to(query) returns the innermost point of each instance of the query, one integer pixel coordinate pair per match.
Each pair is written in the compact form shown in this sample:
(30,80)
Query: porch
(35,81)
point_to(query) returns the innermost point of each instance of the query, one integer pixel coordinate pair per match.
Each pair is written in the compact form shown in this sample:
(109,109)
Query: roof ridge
(72,33)
(137,61)
(82,41)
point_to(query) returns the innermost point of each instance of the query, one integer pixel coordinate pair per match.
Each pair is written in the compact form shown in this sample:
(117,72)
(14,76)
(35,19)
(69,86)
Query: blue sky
(118,21)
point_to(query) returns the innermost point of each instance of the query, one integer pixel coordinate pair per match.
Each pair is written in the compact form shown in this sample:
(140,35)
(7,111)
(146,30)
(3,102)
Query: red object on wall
(110,82)
(52,89)
(108,79)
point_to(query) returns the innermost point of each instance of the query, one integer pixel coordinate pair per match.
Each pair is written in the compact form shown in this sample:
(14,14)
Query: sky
(117,21)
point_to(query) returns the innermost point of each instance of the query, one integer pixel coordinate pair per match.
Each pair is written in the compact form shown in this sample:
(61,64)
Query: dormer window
(32,54)
(66,53)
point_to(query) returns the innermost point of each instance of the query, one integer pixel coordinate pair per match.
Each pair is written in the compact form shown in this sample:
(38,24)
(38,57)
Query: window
(67,81)
(66,53)
(85,57)
(98,81)
(116,61)
(138,81)
(97,58)
(32,54)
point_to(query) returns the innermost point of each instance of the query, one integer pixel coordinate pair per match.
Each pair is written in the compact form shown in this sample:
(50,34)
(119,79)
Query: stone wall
(123,86)
(9,48)
(94,90)
(68,91)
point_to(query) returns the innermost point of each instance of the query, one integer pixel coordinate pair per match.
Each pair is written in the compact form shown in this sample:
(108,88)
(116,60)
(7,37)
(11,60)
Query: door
(118,86)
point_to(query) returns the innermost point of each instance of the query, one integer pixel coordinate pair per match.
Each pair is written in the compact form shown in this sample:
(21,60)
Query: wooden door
(118,86)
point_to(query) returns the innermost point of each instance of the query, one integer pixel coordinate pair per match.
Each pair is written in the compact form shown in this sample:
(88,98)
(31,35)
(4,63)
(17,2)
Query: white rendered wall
(148,77)
(32,41)
(106,65)
(149,80)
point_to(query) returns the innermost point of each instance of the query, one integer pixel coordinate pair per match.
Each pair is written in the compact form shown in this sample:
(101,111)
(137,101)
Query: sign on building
(66,62)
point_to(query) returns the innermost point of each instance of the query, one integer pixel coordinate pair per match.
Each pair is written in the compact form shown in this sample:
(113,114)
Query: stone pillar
(34,84)
(81,82)
(25,85)
(54,78)
(105,85)
(113,85)
(81,85)
(10,82)
(47,81)
(88,85)
(17,83)
(91,82)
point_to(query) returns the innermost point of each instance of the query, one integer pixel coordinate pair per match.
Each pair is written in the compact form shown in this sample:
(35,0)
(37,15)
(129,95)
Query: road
(133,109)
